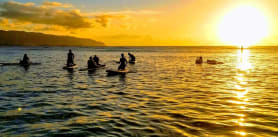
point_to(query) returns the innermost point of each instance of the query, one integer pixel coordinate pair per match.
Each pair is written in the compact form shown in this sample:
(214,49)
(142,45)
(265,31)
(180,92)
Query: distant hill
(21,38)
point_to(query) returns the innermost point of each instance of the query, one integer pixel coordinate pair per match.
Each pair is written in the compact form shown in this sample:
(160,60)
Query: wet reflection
(122,79)
(70,74)
(241,89)
(26,68)
(91,72)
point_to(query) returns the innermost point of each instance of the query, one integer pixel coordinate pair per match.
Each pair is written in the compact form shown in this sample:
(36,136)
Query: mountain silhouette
(22,38)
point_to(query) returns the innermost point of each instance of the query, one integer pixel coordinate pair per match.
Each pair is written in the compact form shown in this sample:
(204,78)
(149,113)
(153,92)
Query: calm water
(167,96)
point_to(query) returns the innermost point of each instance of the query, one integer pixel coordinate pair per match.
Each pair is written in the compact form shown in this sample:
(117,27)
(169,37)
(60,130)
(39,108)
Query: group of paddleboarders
(199,60)
(93,62)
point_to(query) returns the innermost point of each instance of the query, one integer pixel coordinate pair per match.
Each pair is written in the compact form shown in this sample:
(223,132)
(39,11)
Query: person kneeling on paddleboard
(25,60)
(70,61)
(123,62)
(96,59)
(91,63)
(131,57)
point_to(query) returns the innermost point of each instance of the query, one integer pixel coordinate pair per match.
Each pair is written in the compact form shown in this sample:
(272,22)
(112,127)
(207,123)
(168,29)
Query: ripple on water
(167,96)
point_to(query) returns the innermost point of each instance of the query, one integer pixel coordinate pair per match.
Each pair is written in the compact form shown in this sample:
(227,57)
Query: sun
(243,26)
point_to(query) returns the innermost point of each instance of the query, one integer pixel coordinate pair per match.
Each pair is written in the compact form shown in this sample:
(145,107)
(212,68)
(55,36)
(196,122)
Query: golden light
(242,133)
(243,26)
(244,64)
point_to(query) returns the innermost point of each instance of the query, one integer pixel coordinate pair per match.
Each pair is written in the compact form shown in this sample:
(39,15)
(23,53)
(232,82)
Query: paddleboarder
(131,57)
(123,62)
(91,63)
(96,59)
(70,61)
(25,60)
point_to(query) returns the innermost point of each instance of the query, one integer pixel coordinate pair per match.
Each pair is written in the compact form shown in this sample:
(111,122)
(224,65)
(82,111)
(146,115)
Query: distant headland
(22,38)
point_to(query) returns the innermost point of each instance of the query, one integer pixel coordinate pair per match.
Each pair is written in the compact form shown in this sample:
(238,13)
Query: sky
(148,22)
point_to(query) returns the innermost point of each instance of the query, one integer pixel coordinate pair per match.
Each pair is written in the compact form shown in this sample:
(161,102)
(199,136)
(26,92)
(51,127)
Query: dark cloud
(43,15)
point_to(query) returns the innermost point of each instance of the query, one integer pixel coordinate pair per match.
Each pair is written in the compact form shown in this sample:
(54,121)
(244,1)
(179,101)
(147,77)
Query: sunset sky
(148,22)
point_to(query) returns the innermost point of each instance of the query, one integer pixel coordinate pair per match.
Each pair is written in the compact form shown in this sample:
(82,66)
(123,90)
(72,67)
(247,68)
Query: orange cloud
(104,18)
(43,15)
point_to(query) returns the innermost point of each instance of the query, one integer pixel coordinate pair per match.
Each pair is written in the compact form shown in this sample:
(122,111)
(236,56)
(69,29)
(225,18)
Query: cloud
(55,4)
(126,12)
(4,22)
(104,18)
(64,15)
(29,12)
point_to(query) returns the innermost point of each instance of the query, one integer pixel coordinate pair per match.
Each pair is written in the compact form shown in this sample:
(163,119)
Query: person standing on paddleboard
(70,61)
(123,62)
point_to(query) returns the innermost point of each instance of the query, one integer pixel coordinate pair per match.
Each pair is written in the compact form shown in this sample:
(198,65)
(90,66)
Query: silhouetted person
(131,57)
(25,60)
(123,62)
(199,60)
(91,63)
(70,60)
(96,59)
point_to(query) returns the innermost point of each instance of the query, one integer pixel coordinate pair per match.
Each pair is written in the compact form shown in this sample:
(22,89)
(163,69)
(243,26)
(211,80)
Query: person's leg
(121,67)
(68,62)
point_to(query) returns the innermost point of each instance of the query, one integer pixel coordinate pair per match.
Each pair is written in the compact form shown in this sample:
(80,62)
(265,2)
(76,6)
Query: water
(167,96)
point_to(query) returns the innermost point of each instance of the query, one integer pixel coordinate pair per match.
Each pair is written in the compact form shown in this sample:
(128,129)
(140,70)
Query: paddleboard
(18,64)
(214,62)
(92,69)
(199,62)
(131,62)
(116,72)
(70,67)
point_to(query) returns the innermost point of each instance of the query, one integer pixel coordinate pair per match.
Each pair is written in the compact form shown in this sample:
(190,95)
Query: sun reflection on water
(241,89)
(244,64)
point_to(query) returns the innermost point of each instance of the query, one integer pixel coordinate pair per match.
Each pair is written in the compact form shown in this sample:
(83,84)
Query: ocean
(167,95)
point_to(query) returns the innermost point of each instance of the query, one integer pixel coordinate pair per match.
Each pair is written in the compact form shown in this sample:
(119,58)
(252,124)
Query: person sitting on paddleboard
(123,62)
(25,59)
(96,59)
(70,60)
(91,63)
(131,57)
(199,60)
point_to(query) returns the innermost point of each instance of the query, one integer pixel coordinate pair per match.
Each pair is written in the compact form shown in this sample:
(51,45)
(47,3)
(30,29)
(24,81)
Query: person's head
(95,55)
(91,58)
(70,51)
(128,53)
(122,55)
